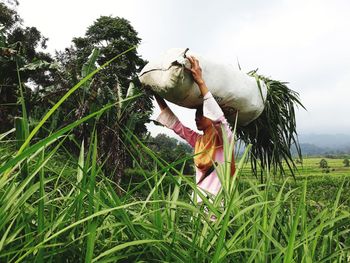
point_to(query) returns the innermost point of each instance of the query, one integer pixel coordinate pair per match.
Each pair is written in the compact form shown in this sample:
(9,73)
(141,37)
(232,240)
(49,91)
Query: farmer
(208,147)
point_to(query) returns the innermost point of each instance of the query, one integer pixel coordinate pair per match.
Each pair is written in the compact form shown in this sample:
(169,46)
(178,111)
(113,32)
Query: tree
(323,163)
(346,162)
(171,150)
(112,35)
(18,51)
(106,38)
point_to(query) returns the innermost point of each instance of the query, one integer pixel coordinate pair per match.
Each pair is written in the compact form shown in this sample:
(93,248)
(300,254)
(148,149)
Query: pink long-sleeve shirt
(212,111)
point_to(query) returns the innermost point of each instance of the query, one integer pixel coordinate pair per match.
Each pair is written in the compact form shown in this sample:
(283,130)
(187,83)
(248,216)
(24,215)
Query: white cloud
(328,109)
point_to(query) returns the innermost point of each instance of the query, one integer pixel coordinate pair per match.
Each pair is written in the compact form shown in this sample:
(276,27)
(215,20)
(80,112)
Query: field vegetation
(67,208)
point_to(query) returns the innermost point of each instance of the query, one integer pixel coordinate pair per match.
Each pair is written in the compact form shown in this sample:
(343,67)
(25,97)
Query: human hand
(196,70)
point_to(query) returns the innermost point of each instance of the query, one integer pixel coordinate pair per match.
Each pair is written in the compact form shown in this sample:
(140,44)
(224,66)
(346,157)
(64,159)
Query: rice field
(311,167)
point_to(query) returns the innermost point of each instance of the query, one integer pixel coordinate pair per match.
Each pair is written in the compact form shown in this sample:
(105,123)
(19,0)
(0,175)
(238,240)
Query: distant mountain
(320,144)
(331,141)
(311,149)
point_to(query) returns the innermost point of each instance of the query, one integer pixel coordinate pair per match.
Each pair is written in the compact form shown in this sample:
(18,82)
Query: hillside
(317,144)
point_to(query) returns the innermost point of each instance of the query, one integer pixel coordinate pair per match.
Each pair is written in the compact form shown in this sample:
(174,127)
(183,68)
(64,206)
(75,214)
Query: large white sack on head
(232,89)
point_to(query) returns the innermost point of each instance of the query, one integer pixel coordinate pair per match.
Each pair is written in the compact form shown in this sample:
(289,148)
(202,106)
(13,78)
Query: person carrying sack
(208,147)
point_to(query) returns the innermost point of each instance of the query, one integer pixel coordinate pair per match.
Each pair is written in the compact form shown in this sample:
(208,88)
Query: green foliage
(171,150)
(112,35)
(346,162)
(85,220)
(273,133)
(8,16)
(50,79)
(104,39)
(18,49)
(21,126)
(323,163)
(322,189)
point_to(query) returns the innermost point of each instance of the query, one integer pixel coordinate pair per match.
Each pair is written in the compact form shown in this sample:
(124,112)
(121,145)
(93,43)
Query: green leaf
(3,135)
(288,257)
(124,245)
(80,170)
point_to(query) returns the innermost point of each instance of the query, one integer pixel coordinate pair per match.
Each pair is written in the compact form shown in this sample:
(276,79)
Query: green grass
(336,167)
(61,216)
(321,185)
(310,167)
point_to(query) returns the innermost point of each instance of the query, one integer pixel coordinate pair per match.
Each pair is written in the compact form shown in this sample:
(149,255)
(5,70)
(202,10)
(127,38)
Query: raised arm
(169,120)
(196,71)
(211,108)
(161,102)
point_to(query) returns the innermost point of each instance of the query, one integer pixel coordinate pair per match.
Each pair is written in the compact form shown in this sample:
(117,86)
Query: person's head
(201,121)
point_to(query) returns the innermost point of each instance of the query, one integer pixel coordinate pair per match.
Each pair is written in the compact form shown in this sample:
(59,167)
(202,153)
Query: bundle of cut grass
(273,133)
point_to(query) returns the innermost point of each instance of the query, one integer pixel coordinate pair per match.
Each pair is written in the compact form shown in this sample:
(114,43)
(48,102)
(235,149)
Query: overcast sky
(305,43)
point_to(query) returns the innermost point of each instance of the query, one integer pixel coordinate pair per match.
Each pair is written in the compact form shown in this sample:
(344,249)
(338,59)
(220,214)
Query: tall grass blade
(21,126)
(125,245)
(3,135)
(23,105)
(227,212)
(41,216)
(291,241)
(80,170)
(92,224)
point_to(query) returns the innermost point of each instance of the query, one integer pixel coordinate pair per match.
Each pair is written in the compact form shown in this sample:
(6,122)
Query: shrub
(323,163)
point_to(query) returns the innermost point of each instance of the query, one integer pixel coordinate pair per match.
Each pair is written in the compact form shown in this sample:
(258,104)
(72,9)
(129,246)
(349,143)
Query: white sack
(232,89)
